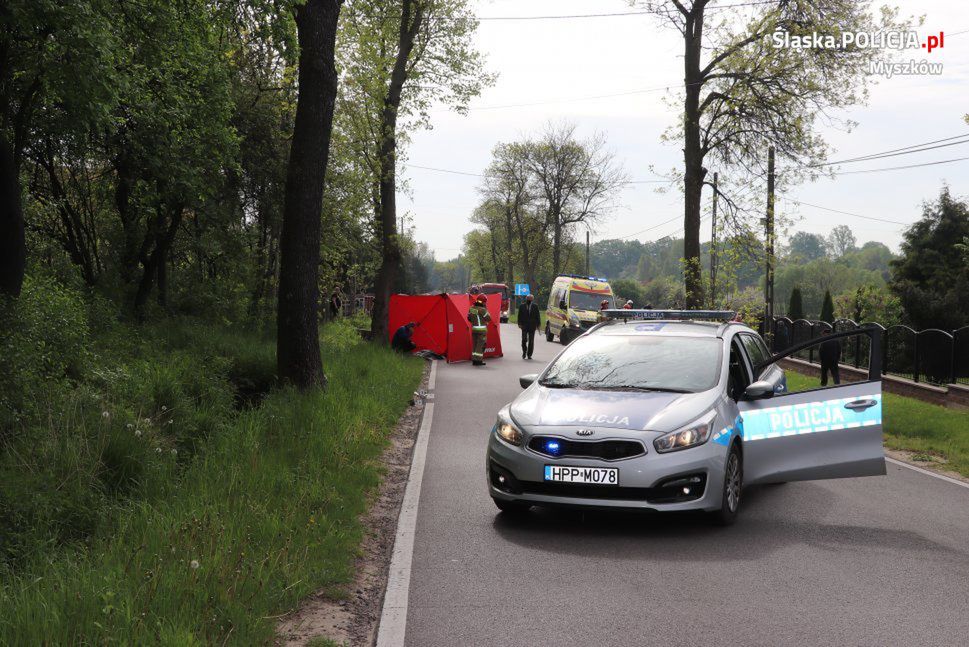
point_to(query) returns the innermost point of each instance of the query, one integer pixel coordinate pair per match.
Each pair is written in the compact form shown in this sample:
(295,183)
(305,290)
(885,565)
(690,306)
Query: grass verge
(916,426)
(262,511)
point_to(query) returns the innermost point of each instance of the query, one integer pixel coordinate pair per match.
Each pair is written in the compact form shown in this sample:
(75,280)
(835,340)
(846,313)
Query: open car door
(823,433)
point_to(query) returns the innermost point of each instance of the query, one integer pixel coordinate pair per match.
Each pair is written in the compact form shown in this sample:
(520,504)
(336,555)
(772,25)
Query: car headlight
(508,432)
(574,319)
(695,434)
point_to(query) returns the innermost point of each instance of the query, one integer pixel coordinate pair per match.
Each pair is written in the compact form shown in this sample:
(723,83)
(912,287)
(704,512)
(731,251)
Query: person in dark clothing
(529,320)
(336,304)
(403,342)
(830,354)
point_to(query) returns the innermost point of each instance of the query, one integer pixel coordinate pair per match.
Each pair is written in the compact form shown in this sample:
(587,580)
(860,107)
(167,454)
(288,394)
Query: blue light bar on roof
(671,315)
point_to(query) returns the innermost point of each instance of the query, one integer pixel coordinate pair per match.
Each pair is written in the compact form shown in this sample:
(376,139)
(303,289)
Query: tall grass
(224,513)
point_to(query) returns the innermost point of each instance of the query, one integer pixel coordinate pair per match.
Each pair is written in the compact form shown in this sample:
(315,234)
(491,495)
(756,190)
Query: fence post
(952,359)
(915,364)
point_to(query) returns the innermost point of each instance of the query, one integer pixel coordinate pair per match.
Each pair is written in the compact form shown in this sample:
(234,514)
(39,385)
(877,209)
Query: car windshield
(637,362)
(495,289)
(587,300)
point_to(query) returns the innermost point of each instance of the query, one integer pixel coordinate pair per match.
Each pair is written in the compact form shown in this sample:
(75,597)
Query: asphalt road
(873,561)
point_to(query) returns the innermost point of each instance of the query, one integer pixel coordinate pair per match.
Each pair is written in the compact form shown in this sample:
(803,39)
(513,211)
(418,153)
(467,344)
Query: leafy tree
(297,341)
(795,310)
(805,246)
(932,277)
(615,258)
(575,180)
(625,289)
(842,241)
(869,303)
(827,308)
(399,58)
(741,93)
(56,74)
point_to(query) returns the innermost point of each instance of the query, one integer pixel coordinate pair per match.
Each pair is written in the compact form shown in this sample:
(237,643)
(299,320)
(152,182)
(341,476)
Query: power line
(899,168)
(844,213)
(905,150)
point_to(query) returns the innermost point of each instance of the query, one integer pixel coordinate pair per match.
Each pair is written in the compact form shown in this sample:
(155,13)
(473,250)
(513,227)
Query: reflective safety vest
(478,316)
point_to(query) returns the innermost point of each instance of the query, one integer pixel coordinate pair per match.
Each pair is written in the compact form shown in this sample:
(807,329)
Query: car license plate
(594,475)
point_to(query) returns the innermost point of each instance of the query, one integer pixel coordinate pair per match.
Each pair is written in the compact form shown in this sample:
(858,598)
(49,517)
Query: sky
(565,66)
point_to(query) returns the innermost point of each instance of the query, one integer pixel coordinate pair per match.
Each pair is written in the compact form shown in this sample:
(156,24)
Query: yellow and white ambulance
(574,304)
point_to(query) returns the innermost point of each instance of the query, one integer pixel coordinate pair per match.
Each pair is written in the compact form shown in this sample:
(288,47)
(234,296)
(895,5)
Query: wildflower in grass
(164,408)
(130,426)
(171,422)
(158,450)
(174,452)
(106,415)
(194,564)
(137,433)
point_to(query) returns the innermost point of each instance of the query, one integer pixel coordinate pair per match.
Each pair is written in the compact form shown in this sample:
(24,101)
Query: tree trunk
(693,161)
(556,249)
(298,341)
(13,250)
(412,14)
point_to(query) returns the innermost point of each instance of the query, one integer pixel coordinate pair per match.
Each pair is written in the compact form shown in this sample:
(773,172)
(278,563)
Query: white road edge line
(948,479)
(393,617)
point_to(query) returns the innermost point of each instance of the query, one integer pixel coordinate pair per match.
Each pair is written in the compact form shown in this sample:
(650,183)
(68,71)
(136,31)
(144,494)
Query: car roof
(669,327)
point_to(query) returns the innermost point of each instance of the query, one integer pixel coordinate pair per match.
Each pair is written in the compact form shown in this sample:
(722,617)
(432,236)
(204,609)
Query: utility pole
(587,252)
(769,273)
(713,247)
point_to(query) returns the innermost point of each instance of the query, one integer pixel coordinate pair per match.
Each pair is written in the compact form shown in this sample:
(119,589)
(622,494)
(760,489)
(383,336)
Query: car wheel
(733,484)
(511,507)
(548,334)
(564,336)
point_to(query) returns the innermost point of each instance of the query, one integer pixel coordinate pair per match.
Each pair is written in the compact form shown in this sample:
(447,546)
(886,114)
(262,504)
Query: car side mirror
(759,390)
(562,304)
(526,380)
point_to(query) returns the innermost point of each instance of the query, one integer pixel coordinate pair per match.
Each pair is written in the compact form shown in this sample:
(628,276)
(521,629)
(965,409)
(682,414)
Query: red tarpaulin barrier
(442,323)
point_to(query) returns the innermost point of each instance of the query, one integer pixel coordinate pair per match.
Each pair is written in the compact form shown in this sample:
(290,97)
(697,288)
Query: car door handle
(860,405)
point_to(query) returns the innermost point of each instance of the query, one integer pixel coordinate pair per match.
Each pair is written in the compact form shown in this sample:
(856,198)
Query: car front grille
(609,450)
(674,490)
(583,491)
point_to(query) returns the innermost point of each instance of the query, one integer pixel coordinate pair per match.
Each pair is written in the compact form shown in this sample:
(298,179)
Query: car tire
(513,508)
(548,333)
(733,484)
(565,336)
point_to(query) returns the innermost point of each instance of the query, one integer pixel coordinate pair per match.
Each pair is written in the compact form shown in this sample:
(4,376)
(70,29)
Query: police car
(676,410)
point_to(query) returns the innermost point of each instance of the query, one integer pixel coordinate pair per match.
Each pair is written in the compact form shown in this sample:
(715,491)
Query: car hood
(538,406)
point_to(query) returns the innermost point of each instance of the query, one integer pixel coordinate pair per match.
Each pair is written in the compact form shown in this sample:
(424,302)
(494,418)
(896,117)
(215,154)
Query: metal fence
(933,356)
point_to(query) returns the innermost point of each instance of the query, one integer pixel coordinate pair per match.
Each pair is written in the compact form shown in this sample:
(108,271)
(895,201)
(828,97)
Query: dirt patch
(353,621)
(926,461)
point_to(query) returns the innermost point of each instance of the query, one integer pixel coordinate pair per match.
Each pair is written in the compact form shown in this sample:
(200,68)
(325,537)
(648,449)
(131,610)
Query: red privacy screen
(442,324)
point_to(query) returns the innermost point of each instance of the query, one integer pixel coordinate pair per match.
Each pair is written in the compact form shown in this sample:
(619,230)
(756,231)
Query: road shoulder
(353,619)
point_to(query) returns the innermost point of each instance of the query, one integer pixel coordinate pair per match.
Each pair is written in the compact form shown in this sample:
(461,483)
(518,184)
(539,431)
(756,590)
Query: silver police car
(663,411)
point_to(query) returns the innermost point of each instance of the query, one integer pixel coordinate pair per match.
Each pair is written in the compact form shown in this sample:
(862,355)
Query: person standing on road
(479,318)
(830,354)
(529,320)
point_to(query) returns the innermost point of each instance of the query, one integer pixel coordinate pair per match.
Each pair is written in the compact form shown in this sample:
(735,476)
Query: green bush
(43,337)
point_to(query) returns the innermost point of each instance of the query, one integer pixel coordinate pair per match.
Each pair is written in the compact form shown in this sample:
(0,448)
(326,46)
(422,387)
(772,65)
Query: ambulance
(574,304)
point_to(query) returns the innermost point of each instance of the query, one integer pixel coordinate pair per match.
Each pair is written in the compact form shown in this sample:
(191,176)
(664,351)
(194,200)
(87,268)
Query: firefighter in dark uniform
(479,318)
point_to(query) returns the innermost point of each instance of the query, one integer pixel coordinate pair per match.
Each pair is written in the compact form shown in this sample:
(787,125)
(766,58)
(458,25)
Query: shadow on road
(772,519)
